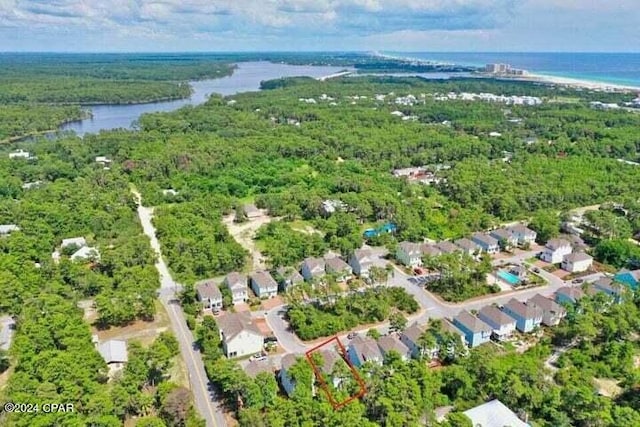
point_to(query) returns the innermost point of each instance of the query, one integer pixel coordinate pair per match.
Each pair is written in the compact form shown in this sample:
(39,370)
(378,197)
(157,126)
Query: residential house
(311,268)
(287,277)
(528,317)
(389,343)
(364,349)
(503,325)
(446,247)
(74,241)
(256,367)
(6,229)
(488,244)
(361,261)
(555,251)
(239,335)
(569,295)
(429,250)
(523,235)
(85,253)
(629,278)
(504,238)
(409,254)
(329,360)
(577,262)
(20,154)
(494,414)
(337,266)
(209,294)
(286,380)
(411,338)
(251,211)
(520,271)
(476,331)
(263,285)
(467,246)
(237,284)
(103,160)
(114,353)
(552,312)
(609,287)
(329,207)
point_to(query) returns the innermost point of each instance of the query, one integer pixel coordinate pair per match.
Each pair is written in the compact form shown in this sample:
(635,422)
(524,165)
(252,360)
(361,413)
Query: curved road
(203,391)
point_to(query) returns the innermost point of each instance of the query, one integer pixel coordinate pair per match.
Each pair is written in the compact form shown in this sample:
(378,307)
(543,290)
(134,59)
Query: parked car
(351,335)
(577,281)
(258,357)
(270,338)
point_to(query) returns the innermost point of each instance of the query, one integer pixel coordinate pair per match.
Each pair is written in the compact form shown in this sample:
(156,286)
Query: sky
(312,25)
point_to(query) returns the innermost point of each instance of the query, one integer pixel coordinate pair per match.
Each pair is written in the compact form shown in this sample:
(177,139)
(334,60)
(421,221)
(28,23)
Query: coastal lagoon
(245,78)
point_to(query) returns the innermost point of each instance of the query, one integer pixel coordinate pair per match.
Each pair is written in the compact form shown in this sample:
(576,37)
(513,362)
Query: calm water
(615,68)
(246,78)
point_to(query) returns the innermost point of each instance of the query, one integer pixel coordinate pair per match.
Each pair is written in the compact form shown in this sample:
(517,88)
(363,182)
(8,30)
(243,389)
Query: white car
(258,357)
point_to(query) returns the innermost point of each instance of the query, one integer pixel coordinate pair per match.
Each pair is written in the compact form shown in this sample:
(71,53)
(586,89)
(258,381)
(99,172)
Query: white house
(409,254)
(555,251)
(239,335)
(312,267)
(20,154)
(103,160)
(577,262)
(209,294)
(74,241)
(6,229)
(552,312)
(467,246)
(237,284)
(263,285)
(337,266)
(494,414)
(503,325)
(361,261)
(85,253)
(486,242)
(523,235)
(391,343)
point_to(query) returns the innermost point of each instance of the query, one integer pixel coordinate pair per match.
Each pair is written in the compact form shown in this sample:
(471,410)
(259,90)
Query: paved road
(7,328)
(431,306)
(203,391)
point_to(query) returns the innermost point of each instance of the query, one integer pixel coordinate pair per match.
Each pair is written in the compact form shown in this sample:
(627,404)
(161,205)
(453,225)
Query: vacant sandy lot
(244,234)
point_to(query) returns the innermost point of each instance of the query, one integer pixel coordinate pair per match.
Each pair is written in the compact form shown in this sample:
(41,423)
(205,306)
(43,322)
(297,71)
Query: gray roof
(314,264)
(366,346)
(336,264)
(447,247)
(85,252)
(414,332)
(501,233)
(263,280)
(236,281)
(430,250)
(577,257)
(232,324)
(467,244)
(520,229)
(494,414)
(472,323)
(288,360)
(554,244)
(411,249)
(78,241)
(447,326)
(113,351)
(496,316)
(290,274)
(523,310)
(389,343)
(8,228)
(572,292)
(329,360)
(363,255)
(546,304)
(607,284)
(208,289)
(485,238)
(256,367)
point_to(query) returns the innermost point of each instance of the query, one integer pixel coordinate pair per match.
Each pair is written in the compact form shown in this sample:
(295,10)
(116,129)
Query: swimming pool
(508,277)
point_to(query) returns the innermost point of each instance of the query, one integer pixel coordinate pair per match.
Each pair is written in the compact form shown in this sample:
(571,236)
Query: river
(245,78)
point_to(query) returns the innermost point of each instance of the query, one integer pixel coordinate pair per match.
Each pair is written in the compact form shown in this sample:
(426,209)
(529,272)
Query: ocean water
(614,68)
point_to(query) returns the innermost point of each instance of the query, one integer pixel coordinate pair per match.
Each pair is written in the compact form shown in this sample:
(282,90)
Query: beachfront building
(409,254)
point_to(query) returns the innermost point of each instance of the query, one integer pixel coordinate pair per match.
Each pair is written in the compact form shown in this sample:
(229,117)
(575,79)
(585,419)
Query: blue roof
(388,227)
(628,278)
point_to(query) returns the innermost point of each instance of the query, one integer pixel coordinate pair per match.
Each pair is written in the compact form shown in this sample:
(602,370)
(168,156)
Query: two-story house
(552,312)
(476,331)
(412,338)
(287,380)
(263,285)
(339,268)
(209,294)
(391,343)
(239,335)
(446,247)
(569,295)
(503,325)
(629,278)
(609,287)
(577,262)
(486,242)
(237,284)
(504,238)
(522,234)
(409,254)
(467,246)
(555,251)
(528,317)
(361,261)
(364,349)
(312,268)
(287,277)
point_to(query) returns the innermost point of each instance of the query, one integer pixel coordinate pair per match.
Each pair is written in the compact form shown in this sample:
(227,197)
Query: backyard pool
(508,277)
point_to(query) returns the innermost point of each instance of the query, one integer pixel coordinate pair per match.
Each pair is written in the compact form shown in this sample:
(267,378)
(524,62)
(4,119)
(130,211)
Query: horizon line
(106,52)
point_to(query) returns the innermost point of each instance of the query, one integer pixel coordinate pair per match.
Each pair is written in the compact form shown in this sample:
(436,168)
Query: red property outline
(323,384)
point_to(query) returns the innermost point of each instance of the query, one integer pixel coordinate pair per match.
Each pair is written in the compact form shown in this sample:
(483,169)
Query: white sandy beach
(587,84)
